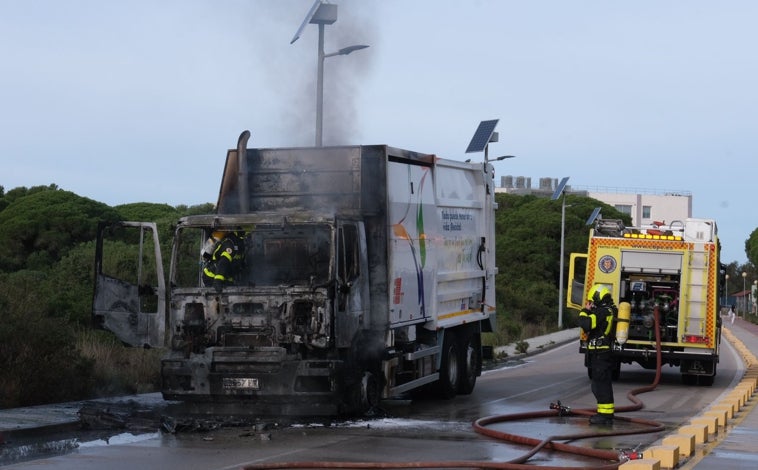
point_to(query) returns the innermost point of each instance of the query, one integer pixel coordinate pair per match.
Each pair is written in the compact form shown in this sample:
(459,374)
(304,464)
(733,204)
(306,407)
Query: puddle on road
(46,447)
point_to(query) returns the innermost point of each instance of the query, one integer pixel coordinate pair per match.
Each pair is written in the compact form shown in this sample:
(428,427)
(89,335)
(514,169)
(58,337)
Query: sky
(138,101)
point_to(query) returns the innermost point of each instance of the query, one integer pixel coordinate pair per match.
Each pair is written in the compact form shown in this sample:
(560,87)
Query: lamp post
(753,300)
(560,191)
(320,84)
(726,289)
(744,304)
(322,14)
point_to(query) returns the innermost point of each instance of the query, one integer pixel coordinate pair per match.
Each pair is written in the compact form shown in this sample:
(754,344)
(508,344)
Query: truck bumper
(264,379)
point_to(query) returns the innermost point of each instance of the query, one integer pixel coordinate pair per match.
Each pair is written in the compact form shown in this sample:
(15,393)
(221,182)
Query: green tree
(66,291)
(47,246)
(39,228)
(145,211)
(751,247)
(528,232)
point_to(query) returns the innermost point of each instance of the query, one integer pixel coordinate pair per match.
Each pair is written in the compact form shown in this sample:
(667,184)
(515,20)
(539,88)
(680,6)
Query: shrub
(118,369)
(522,346)
(38,356)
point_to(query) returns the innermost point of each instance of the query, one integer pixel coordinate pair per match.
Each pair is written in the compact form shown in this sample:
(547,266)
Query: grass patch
(119,369)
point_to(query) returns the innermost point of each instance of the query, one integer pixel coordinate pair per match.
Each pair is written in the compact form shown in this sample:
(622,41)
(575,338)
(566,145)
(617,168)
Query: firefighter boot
(602,418)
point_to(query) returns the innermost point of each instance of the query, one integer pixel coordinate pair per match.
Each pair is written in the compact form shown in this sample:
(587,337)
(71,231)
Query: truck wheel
(471,362)
(363,395)
(689,379)
(447,385)
(705,380)
(370,393)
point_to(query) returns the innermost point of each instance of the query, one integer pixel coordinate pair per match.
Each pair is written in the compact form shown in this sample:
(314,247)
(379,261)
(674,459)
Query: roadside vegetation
(49,351)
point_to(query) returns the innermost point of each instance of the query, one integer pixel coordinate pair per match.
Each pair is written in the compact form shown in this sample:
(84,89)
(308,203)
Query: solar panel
(560,188)
(307,19)
(591,219)
(482,136)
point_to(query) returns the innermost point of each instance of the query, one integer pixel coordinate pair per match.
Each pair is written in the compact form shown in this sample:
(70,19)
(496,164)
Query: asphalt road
(427,430)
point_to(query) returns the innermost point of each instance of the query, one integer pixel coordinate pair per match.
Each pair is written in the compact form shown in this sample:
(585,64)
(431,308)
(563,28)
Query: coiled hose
(480,426)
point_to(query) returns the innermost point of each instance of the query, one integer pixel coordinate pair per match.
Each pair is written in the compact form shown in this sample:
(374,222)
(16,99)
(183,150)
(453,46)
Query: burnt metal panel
(294,179)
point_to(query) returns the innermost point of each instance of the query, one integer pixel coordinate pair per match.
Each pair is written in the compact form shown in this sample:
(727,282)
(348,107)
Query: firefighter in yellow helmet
(223,258)
(597,323)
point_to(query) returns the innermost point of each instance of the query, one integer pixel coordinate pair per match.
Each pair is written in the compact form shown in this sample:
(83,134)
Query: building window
(645,212)
(624,208)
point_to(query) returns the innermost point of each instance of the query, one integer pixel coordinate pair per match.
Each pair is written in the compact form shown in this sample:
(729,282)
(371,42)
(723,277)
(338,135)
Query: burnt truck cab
(288,318)
(283,332)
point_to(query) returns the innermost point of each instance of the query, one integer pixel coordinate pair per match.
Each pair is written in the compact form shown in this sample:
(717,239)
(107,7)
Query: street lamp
(560,191)
(726,289)
(320,84)
(744,304)
(322,14)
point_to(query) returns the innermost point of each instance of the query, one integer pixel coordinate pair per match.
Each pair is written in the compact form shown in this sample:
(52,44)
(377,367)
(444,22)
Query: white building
(645,206)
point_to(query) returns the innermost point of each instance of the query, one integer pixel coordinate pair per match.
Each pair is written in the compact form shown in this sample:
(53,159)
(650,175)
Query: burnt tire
(370,392)
(363,395)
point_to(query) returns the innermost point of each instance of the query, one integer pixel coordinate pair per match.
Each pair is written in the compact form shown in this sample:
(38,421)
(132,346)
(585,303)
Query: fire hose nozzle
(562,410)
(625,456)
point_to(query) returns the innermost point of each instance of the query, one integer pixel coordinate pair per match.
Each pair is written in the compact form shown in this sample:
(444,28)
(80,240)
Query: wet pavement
(728,448)
(39,420)
(39,431)
(58,428)
(733,447)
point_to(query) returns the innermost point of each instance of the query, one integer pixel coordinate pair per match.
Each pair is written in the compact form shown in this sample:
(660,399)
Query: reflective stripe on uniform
(605,408)
(592,317)
(212,275)
(608,322)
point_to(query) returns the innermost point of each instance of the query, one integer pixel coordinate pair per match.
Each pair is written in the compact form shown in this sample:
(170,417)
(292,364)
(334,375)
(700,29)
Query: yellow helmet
(598,293)
(218,235)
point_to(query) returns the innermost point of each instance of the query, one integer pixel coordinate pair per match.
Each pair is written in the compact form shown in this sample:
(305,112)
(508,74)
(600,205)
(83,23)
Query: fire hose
(615,457)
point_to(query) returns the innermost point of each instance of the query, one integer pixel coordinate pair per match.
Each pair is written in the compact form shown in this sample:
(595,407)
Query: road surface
(425,430)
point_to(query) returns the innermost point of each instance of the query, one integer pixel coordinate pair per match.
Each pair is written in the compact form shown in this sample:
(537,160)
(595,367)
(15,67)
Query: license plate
(234,383)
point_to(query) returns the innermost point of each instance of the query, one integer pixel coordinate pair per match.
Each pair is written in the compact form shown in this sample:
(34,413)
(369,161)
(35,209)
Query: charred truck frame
(369,272)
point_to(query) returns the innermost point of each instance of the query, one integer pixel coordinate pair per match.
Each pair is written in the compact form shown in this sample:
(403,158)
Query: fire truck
(368,273)
(667,281)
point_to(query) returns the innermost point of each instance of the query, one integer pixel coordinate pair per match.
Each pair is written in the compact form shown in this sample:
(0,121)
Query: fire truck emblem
(607,264)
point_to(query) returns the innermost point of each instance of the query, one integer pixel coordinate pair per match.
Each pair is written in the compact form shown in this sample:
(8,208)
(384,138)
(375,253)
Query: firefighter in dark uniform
(597,322)
(224,259)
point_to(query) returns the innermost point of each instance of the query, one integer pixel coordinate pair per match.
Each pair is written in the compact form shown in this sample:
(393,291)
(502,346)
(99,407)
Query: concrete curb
(538,344)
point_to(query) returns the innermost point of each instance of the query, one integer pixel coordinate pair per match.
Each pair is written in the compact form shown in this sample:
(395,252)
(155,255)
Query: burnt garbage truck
(369,273)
